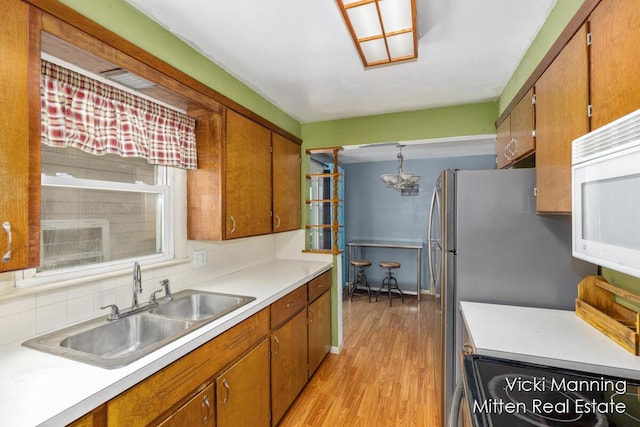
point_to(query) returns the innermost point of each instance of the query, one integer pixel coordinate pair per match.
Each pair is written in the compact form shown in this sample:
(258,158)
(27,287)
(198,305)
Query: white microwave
(606,195)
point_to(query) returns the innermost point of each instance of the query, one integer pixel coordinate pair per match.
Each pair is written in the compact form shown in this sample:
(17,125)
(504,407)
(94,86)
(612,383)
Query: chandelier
(402,180)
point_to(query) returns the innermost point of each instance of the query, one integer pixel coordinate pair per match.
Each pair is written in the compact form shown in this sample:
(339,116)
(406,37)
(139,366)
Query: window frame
(165,186)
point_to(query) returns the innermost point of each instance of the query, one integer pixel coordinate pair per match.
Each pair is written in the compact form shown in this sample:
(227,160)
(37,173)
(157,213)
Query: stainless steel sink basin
(117,343)
(196,305)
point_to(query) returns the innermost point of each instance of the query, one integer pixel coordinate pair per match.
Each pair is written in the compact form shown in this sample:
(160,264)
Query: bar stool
(361,279)
(390,282)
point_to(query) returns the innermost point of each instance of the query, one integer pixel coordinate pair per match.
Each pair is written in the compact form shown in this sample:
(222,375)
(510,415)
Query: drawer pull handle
(467,349)
(310,316)
(291,304)
(277,350)
(207,408)
(7,228)
(278,225)
(226,386)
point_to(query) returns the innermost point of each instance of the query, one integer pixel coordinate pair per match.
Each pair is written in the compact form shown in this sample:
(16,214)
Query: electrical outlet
(199,258)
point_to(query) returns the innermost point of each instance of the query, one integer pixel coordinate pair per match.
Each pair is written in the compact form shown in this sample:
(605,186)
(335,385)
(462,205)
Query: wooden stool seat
(389,264)
(361,262)
(389,283)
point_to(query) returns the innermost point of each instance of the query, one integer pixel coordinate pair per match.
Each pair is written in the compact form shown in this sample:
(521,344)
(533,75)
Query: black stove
(506,393)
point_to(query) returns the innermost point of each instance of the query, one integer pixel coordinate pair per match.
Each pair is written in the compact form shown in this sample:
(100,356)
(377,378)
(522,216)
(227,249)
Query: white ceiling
(298,53)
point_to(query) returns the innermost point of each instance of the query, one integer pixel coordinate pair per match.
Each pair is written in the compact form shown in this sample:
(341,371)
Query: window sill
(19,292)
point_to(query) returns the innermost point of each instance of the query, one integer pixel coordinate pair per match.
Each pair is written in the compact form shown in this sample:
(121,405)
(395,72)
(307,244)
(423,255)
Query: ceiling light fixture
(384,31)
(401,180)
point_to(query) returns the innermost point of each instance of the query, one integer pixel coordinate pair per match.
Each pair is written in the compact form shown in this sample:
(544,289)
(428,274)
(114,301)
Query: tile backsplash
(24,317)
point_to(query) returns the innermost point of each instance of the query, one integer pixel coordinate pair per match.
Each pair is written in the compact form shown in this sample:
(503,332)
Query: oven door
(468,390)
(507,393)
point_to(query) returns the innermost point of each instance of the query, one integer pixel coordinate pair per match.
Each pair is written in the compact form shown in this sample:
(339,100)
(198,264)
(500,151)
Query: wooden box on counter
(597,305)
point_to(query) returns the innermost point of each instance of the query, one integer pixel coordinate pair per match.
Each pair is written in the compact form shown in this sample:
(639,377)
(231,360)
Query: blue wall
(375,212)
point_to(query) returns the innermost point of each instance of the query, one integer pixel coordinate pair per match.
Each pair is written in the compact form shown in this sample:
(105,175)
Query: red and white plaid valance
(81,112)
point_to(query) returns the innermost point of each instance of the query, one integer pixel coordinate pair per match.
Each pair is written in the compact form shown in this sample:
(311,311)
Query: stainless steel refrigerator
(486,244)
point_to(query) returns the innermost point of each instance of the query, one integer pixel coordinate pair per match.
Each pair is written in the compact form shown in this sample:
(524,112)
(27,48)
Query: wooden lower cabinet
(247,376)
(198,411)
(319,330)
(288,364)
(242,391)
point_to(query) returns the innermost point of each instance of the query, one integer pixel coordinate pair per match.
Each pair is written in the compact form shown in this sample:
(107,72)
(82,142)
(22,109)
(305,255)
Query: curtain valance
(81,112)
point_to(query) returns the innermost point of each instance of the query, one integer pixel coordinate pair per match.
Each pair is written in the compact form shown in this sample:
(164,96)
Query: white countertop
(548,337)
(39,389)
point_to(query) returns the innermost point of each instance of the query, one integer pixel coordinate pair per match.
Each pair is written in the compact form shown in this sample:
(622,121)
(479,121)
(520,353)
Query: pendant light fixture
(402,180)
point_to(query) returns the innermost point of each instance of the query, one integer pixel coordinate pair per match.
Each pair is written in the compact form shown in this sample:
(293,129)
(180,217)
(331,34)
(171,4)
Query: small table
(409,244)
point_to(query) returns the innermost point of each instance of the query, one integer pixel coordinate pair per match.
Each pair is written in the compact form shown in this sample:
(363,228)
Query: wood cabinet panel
(288,364)
(562,99)
(198,411)
(615,69)
(286,184)
(242,391)
(247,186)
(288,305)
(19,135)
(205,184)
(522,127)
(95,418)
(319,285)
(503,138)
(319,327)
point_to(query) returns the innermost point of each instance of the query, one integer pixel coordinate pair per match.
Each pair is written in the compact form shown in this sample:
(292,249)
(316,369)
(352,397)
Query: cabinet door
(615,69)
(242,391)
(562,99)
(288,364)
(247,173)
(19,138)
(503,138)
(286,184)
(319,321)
(198,411)
(522,127)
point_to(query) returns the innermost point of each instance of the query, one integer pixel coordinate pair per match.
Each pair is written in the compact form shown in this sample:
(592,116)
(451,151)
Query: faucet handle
(152,297)
(168,296)
(115,311)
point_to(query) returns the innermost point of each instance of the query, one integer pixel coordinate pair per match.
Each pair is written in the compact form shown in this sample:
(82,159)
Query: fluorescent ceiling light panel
(383,31)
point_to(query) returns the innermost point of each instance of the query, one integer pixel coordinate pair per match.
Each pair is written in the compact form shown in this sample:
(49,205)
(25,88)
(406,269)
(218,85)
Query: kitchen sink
(116,343)
(198,305)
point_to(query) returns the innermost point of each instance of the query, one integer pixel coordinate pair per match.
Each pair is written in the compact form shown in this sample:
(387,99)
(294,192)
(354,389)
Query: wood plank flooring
(384,375)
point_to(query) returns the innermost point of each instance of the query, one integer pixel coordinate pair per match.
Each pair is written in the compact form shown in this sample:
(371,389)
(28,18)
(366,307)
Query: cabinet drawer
(319,285)
(288,305)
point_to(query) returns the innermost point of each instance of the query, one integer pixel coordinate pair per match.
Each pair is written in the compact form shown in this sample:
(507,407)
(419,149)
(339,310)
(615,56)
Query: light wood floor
(383,376)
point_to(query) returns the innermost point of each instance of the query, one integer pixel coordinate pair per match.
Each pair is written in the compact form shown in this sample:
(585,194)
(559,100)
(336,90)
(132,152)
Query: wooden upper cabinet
(523,126)
(503,138)
(286,184)
(247,187)
(19,136)
(562,100)
(515,138)
(615,69)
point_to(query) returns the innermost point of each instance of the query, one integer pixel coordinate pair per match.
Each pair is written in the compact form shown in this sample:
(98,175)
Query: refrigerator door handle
(430,240)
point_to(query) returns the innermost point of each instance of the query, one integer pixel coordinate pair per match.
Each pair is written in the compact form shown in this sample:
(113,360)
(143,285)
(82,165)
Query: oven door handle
(456,404)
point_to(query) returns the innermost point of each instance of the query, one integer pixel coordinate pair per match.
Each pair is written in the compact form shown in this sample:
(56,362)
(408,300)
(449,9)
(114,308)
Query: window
(107,158)
(101,209)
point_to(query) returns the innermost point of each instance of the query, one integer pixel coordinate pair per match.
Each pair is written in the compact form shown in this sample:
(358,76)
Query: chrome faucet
(116,313)
(137,284)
